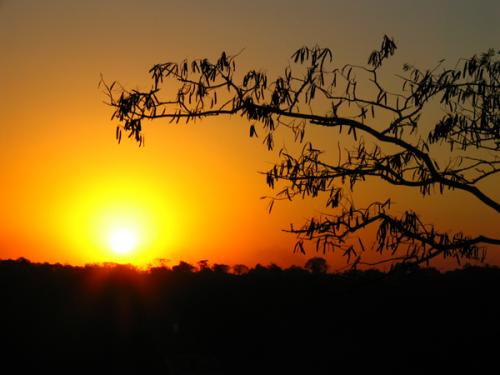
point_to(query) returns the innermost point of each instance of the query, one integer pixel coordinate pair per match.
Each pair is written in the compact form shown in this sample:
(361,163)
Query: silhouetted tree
(220,268)
(183,267)
(124,320)
(316,265)
(240,269)
(203,265)
(161,262)
(390,141)
(273,267)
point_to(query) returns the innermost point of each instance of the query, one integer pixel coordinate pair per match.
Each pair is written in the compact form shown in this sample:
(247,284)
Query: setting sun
(123,241)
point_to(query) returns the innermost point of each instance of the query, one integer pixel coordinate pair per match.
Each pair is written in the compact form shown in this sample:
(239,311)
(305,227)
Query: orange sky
(193,192)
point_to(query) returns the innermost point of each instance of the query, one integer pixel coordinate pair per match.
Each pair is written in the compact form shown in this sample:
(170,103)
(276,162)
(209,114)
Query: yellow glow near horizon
(123,241)
(113,219)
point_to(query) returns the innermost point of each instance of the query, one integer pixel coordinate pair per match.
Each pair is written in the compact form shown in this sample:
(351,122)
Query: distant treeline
(215,319)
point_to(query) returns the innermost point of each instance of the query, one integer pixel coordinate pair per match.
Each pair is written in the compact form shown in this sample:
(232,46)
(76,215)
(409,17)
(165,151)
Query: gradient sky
(193,192)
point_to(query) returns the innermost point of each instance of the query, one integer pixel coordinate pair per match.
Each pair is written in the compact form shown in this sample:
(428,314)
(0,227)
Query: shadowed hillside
(209,321)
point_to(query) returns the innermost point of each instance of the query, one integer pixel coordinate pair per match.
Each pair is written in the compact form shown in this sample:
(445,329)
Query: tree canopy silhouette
(316,265)
(390,141)
(120,319)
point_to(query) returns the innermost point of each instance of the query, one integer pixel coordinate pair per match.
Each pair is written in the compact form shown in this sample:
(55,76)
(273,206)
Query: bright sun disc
(122,241)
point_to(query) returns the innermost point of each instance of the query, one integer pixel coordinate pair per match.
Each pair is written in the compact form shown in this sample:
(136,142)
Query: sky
(193,192)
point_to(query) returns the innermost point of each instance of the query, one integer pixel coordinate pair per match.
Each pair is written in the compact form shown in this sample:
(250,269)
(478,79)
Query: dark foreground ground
(118,320)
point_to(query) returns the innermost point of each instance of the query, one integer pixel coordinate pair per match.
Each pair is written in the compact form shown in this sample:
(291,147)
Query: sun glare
(123,241)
